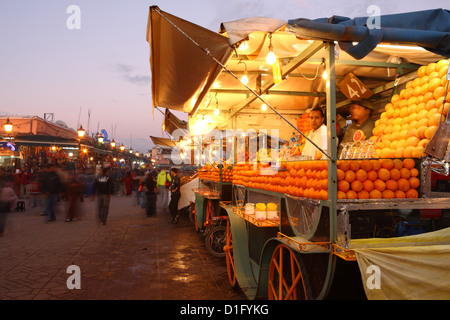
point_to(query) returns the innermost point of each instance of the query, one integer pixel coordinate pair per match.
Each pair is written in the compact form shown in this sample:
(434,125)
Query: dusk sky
(102,64)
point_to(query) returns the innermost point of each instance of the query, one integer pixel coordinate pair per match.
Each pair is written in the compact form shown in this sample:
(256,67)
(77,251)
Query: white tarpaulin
(406,268)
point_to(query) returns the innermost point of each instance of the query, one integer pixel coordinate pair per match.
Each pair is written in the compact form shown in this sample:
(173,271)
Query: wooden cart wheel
(228,248)
(215,241)
(209,211)
(287,278)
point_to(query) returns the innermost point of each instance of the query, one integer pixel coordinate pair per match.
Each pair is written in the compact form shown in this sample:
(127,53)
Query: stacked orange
(377,179)
(357,179)
(307,179)
(303,123)
(412,117)
(209,172)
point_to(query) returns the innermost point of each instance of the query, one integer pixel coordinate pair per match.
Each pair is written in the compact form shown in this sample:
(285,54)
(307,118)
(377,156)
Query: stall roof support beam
(291,66)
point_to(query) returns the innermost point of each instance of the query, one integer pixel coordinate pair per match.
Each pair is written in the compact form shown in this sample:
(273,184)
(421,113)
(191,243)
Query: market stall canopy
(392,58)
(172,123)
(164,142)
(180,69)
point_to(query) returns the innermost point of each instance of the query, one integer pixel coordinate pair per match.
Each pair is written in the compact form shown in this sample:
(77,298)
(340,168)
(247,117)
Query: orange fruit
(414,182)
(351,194)
(368,185)
(403,185)
(375,194)
(412,141)
(414,172)
(412,194)
(363,194)
(418,152)
(350,176)
(430,68)
(343,165)
(398,164)
(442,64)
(435,119)
(399,153)
(409,163)
(399,194)
(379,185)
(366,165)
(444,109)
(422,71)
(372,175)
(388,194)
(430,131)
(340,174)
(387,163)
(341,195)
(357,186)
(361,175)
(433,84)
(395,174)
(323,194)
(439,91)
(420,132)
(405,173)
(376,164)
(407,152)
(391,185)
(354,165)
(343,185)
(384,174)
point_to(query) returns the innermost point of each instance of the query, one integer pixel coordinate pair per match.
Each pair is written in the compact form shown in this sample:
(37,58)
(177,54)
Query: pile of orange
(357,179)
(412,117)
(377,179)
(209,172)
(303,123)
(307,179)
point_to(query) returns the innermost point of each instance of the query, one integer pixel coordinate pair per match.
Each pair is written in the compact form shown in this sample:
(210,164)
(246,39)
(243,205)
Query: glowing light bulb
(264,107)
(244,79)
(325,75)
(216,112)
(271,58)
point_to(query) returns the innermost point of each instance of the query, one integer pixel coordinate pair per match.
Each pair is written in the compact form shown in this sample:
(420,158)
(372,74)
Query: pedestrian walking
(73,189)
(163,182)
(52,187)
(175,194)
(150,188)
(8,201)
(102,189)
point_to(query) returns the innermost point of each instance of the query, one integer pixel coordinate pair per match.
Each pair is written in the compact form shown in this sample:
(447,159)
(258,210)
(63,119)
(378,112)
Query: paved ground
(132,257)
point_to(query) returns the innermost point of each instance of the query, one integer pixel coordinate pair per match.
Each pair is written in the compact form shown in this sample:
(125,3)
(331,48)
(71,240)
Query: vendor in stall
(360,112)
(318,135)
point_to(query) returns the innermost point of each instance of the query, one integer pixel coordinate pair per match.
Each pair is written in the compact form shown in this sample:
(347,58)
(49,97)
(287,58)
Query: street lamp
(122,147)
(81,132)
(113,144)
(8,126)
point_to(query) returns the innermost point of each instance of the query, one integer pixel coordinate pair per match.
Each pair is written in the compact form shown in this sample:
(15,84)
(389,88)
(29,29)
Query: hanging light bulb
(264,107)
(244,78)
(217,111)
(271,58)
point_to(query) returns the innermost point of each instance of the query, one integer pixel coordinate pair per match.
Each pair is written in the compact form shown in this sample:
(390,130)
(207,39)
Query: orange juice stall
(322,225)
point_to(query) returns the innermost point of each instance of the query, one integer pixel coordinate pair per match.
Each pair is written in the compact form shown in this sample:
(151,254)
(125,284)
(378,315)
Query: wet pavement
(132,257)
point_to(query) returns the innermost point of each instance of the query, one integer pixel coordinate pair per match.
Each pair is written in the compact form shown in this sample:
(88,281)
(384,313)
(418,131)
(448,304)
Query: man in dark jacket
(175,194)
(51,187)
(103,189)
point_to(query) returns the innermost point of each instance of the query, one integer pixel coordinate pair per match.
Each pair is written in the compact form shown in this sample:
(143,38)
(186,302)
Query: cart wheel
(228,248)
(215,241)
(287,278)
